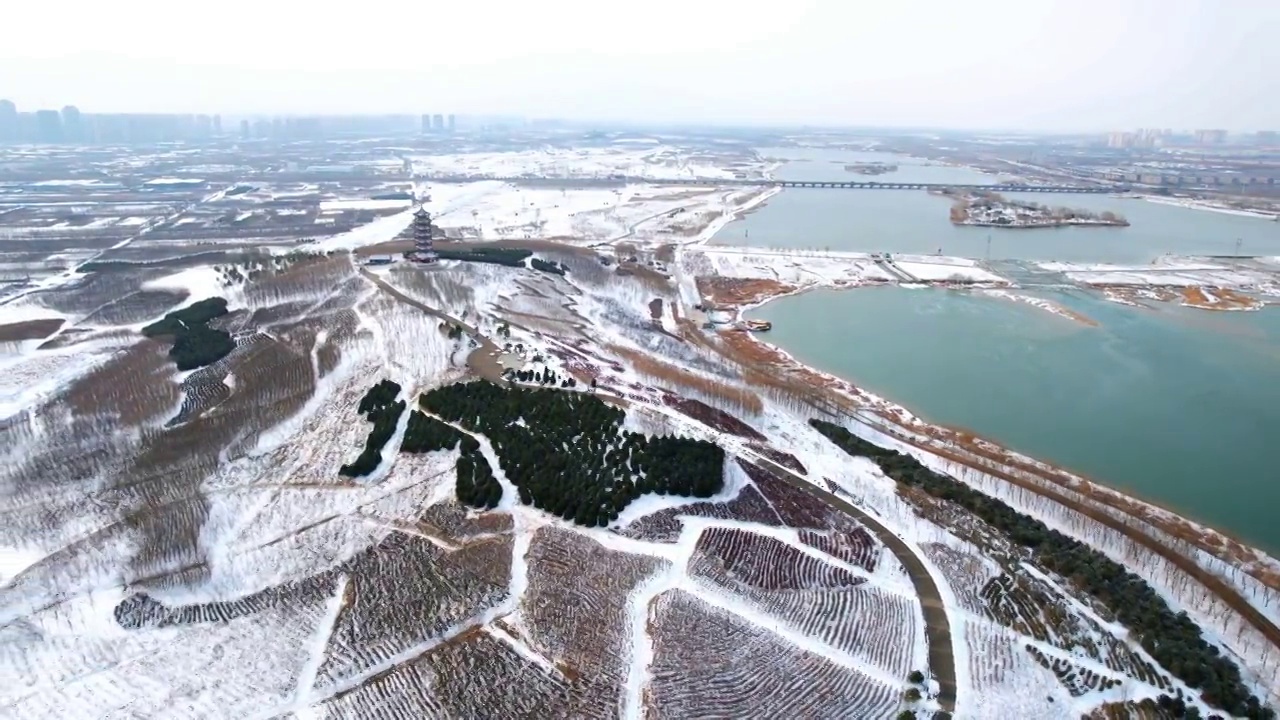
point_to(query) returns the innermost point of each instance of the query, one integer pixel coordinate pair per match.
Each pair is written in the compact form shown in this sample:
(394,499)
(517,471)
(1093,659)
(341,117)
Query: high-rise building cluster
(69,125)
(1146,138)
(74,127)
(315,127)
(1141,138)
(438,124)
(1210,137)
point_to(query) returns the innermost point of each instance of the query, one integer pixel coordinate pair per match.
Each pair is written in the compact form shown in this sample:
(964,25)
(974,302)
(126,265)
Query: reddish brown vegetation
(30,329)
(665,525)
(680,377)
(740,291)
(739,557)
(575,611)
(576,364)
(451,521)
(1218,299)
(711,663)
(786,460)
(581,347)
(134,386)
(712,417)
(854,547)
(796,508)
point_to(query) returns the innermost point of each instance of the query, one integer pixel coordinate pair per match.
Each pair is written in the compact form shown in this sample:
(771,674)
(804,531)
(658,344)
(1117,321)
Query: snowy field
(491,210)
(653,163)
(286,589)
(1175,272)
(811,268)
(180,544)
(641,214)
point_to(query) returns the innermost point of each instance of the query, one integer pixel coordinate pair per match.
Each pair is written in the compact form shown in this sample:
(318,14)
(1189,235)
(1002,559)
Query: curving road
(937,626)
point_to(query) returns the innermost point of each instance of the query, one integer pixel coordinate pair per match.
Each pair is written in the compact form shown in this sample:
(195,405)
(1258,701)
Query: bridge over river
(620,180)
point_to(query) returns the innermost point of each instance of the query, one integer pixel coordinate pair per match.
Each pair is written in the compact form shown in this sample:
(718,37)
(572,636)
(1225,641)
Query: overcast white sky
(1031,64)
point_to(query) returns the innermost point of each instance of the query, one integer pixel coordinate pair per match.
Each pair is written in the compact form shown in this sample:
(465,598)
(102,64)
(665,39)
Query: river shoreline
(1208,206)
(1221,544)
(1036,225)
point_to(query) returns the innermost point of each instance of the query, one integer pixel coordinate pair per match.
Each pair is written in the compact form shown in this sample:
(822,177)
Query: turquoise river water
(1175,405)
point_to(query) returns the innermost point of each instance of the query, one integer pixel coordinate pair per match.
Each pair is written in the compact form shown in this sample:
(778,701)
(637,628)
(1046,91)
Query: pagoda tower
(423,249)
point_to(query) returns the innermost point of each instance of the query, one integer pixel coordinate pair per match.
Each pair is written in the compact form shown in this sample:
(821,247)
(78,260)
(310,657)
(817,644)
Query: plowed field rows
(855,547)
(743,560)
(708,663)
(575,612)
(797,508)
(664,525)
(408,591)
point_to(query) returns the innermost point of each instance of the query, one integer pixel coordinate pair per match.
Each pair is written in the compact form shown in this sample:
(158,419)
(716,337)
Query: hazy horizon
(1083,66)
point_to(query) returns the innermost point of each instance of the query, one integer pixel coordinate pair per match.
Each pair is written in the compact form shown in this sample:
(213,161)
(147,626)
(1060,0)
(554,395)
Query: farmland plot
(407,591)
(744,561)
(469,676)
(855,547)
(136,307)
(797,508)
(664,525)
(486,678)
(817,598)
(708,662)
(965,573)
(576,613)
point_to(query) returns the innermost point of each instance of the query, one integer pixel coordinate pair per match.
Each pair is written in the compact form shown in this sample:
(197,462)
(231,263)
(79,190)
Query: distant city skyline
(1053,65)
(70,124)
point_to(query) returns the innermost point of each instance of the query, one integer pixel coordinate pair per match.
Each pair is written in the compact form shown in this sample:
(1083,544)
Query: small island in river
(994,210)
(870,168)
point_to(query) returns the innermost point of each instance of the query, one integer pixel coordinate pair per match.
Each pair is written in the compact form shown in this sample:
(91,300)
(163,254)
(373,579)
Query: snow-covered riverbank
(1210,206)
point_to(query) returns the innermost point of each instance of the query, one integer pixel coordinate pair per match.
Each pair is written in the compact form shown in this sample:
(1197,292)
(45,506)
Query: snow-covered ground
(1171,272)
(362,204)
(1211,206)
(653,163)
(817,268)
(642,214)
(799,268)
(379,231)
(938,268)
(275,514)
(198,283)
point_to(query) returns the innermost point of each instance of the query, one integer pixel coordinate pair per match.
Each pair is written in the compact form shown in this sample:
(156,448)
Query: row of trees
(511,257)
(549,377)
(424,434)
(380,407)
(1173,639)
(549,266)
(195,344)
(476,484)
(567,454)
